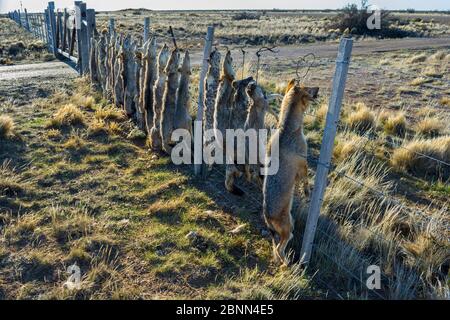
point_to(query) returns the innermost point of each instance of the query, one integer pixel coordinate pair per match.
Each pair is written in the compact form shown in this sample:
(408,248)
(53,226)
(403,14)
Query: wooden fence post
(146,29)
(334,110)
(198,155)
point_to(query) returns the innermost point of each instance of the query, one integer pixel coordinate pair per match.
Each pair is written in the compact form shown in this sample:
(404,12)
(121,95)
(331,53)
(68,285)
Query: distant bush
(354,20)
(246,16)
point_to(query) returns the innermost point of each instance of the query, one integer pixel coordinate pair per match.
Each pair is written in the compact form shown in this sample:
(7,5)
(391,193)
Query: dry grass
(362,119)
(393,123)
(429,127)
(417,59)
(68,115)
(412,160)
(6,127)
(445,101)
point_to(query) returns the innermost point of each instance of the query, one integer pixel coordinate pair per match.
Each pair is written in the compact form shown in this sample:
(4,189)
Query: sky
(39,5)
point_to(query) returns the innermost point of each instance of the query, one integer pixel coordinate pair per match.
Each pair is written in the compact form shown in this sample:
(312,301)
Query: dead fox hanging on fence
(158,93)
(150,63)
(278,189)
(101,58)
(222,108)
(119,76)
(170,100)
(256,114)
(183,118)
(139,114)
(130,78)
(238,116)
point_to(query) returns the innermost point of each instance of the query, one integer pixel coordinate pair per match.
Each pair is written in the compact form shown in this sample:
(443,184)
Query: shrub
(411,159)
(6,127)
(355,20)
(246,16)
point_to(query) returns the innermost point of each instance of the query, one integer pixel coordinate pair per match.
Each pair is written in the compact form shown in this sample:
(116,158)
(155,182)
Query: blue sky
(38,5)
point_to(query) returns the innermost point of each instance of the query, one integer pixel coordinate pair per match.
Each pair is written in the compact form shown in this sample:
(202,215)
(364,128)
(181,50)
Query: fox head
(186,67)
(227,67)
(172,64)
(256,93)
(300,95)
(163,57)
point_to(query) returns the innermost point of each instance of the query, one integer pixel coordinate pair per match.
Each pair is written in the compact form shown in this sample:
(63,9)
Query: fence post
(91,26)
(146,29)
(334,109)
(82,35)
(112,26)
(27,22)
(198,154)
(52,27)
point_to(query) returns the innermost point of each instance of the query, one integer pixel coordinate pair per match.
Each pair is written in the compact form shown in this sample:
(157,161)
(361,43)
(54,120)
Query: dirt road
(328,50)
(26,82)
(23,83)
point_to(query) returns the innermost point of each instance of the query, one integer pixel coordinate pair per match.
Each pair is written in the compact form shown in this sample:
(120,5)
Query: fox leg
(302,176)
(231,174)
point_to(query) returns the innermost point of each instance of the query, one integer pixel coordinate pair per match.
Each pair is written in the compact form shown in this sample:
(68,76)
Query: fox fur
(238,116)
(169,100)
(149,80)
(211,85)
(130,80)
(183,118)
(117,64)
(278,189)
(158,92)
(255,120)
(140,116)
(222,108)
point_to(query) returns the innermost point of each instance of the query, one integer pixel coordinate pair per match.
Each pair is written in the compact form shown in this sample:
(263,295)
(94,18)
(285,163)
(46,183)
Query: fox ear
(290,85)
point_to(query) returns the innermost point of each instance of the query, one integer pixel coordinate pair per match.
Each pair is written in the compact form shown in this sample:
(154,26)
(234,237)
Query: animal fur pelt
(183,119)
(169,100)
(149,78)
(224,98)
(158,93)
(130,78)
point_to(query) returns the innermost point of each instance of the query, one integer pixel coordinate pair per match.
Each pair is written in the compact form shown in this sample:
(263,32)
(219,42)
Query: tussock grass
(287,284)
(83,101)
(445,101)
(6,127)
(11,183)
(393,123)
(110,114)
(438,148)
(362,119)
(347,145)
(419,81)
(417,58)
(68,115)
(429,127)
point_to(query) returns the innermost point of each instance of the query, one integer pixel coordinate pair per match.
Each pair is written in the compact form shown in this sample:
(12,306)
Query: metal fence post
(27,22)
(146,29)
(334,109)
(112,26)
(198,154)
(52,27)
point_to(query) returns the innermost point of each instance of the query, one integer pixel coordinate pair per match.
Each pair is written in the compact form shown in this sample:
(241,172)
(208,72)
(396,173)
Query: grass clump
(429,127)
(414,157)
(68,115)
(6,127)
(362,119)
(393,124)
